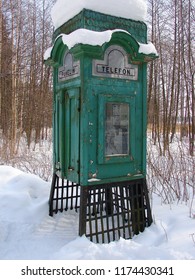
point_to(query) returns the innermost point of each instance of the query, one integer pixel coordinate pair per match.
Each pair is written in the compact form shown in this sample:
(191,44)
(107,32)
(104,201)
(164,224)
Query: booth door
(120,137)
(72,134)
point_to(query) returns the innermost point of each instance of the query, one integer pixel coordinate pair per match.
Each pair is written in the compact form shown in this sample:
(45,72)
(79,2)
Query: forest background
(26,91)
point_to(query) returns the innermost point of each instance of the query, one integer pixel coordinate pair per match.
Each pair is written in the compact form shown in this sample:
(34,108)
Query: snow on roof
(47,53)
(88,37)
(94,38)
(147,49)
(63,10)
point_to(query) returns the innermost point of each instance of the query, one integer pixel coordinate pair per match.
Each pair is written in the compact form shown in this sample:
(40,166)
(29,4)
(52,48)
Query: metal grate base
(64,195)
(107,212)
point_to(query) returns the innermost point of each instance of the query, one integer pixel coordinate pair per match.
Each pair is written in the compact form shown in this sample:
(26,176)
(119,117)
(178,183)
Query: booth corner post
(99,127)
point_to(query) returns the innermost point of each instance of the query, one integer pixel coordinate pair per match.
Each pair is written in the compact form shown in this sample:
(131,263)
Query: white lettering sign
(70,69)
(115,65)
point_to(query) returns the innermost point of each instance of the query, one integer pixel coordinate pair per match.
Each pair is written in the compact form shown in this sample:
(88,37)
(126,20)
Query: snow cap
(63,10)
(94,38)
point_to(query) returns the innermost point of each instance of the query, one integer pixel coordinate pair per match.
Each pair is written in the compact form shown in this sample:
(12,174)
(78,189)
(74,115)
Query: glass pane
(68,62)
(117,129)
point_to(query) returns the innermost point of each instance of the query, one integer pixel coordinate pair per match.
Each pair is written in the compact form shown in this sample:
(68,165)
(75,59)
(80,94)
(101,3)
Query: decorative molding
(99,22)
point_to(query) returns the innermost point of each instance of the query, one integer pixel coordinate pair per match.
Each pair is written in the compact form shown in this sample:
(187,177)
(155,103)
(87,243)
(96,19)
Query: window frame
(116,98)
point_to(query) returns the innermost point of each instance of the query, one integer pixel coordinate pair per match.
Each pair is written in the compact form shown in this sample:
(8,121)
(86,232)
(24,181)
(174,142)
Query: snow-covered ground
(28,232)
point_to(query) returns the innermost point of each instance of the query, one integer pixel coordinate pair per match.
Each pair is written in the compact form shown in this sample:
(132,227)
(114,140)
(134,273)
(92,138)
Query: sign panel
(70,69)
(115,65)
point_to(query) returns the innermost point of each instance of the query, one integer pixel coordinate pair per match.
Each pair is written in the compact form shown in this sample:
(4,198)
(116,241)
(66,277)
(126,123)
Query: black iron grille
(107,212)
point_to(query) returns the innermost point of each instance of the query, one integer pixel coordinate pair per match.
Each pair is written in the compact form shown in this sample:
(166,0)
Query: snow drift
(28,232)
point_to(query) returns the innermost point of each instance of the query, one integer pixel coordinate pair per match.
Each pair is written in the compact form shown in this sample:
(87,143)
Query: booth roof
(94,38)
(63,10)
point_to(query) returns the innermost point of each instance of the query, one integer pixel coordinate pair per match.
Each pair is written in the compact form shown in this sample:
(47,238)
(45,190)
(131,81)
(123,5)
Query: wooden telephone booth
(99,125)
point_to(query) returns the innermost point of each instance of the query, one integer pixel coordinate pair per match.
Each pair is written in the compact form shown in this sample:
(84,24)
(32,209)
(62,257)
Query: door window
(116,129)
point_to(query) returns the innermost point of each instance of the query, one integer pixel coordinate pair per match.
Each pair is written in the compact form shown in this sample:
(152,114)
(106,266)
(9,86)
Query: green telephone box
(99,121)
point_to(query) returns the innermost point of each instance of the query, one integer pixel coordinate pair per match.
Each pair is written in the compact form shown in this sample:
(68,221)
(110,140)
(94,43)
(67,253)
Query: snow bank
(23,196)
(64,10)
(28,232)
(7,173)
